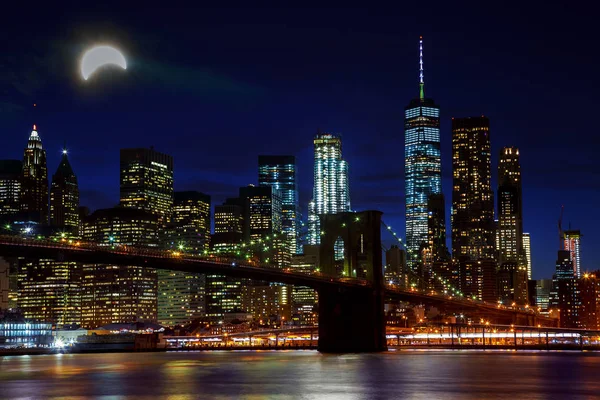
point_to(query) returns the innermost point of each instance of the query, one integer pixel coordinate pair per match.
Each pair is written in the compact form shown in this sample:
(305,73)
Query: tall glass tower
(422,164)
(279,172)
(331,191)
(34,181)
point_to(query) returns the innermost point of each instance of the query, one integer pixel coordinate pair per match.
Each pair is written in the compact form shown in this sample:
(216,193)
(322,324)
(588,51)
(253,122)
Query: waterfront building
(565,292)
(267,302)
(527,249)
(422,164)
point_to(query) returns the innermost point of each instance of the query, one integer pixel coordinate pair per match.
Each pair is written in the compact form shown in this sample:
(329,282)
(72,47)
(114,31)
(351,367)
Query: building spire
(64,149)
(421,80)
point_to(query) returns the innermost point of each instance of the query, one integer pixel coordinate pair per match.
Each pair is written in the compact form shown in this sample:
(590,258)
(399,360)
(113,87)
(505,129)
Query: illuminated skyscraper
(181,294)
(279,172)
(573,245)
(564,296)
(34,180)
(473,233)
(331,191)
(147,182)
(64,197)
(473,227)
(422,164)
(512,260)
(10,186)
(527,249)
(115,293)
(191,221)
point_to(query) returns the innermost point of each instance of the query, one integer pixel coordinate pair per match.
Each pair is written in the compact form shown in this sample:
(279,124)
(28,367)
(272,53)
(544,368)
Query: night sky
(217,87)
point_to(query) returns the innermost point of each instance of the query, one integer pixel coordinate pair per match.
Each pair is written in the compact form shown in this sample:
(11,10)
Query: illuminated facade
(64,198)
(229,225)
(564,295)
(180,297)
(473,233)
(114,294)
(422,164)
(331,190)
(304,299)
(191,221)
(527,249)
(147,182)
(279,172)
(265,302)
(10,186)
(223,295)
(50,291)
(33,196)
(473,227)
(572,239)
(589,292)
(181,294)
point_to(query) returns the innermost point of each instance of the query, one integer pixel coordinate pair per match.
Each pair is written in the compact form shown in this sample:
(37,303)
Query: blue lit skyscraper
(423,176)
(280,173)
(331,192)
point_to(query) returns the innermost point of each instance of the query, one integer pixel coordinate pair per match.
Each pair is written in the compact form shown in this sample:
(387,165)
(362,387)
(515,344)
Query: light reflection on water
(303,374)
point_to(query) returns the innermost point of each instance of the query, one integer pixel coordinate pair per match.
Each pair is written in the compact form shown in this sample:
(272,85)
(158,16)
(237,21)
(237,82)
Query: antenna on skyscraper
(421,78)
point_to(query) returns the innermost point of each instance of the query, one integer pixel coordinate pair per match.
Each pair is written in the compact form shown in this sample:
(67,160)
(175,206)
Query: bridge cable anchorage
(436,277)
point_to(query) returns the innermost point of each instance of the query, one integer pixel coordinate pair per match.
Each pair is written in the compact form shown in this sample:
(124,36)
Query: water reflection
(302,374)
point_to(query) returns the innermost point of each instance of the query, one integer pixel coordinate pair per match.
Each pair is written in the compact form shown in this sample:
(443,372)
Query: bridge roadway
(85,252)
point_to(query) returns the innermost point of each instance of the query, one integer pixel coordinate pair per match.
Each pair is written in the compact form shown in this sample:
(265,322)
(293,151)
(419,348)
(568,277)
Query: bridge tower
(352,319)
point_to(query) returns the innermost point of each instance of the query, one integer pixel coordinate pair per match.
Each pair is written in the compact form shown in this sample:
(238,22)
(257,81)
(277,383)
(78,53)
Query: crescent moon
(99,56)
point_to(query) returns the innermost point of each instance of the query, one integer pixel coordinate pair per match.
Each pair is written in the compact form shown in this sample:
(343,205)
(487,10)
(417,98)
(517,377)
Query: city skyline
(373,185)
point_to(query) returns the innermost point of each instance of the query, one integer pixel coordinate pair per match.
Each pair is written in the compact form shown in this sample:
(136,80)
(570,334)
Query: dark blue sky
(217,87)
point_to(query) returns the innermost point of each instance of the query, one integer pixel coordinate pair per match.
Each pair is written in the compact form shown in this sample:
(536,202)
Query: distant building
(33,196)
(223,295)
(422,164)
(527,249)
(64,198)
(572,243)
(331,190)
(4,284)
(542,296)
(119,294)
(565,292)
(473,228)
(279,172)
(147,182)
(10,186)
(395,265)
(304,299)
(229,225)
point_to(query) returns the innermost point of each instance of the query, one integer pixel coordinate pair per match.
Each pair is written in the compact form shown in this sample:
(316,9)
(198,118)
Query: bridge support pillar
(351,321)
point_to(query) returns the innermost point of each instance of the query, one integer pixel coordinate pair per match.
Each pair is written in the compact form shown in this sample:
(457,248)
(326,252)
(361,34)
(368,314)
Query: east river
(303,375)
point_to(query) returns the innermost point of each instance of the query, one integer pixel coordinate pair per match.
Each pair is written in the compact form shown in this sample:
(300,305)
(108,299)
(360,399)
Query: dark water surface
(303,375)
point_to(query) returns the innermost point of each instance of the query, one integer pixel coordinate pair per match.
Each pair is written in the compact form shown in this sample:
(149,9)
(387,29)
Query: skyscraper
(331,191)
(229,225)
(279,172)
(262,211)
(34,180)
(573,245)
(181,294)
(512,259)
(64,197)
(473,235)
(115,293)
(191,221)
(10,186)
(422,164)
(564,295)
(473,228)
(527,249)
(147,182)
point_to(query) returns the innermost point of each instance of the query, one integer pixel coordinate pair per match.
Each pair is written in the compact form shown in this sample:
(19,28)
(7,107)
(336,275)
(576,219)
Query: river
(303,375)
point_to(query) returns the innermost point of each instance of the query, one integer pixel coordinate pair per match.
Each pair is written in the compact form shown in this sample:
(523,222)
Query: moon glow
(99,56)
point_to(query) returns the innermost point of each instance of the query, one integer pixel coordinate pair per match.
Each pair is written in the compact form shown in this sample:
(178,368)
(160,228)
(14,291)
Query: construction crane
(561,235)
